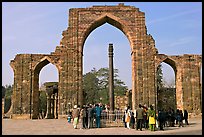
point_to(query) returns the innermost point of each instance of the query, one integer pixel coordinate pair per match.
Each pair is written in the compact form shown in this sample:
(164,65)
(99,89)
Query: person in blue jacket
(98,111)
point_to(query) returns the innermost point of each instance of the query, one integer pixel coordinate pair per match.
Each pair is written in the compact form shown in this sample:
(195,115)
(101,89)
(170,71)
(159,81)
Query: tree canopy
(95,86)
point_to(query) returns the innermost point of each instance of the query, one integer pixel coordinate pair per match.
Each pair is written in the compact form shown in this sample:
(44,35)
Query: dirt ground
(62,127)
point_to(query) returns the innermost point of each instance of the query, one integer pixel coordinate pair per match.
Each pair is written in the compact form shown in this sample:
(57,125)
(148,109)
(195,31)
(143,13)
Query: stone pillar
(111,90)
(52,105)
(48,114)
(56,107)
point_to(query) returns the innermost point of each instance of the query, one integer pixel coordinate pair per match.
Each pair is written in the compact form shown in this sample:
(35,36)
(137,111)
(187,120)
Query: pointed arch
(43,62)
(170,62)
(112,20)
(35,95)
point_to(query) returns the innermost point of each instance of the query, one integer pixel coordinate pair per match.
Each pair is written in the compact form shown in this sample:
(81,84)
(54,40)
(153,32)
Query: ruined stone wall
(187,76)
(26,82)
(131,21)
(68,58)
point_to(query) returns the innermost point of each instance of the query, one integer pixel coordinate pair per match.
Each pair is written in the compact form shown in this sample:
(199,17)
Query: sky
(36,28)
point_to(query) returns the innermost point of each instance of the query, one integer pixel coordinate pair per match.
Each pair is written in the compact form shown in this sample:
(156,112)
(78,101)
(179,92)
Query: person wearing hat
(75,116)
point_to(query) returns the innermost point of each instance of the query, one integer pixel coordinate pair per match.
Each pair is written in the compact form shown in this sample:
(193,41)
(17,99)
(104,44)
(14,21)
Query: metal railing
(112,118)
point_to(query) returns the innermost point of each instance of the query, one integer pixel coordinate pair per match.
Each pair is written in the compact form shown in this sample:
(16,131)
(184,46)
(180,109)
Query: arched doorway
(95,55)
(51,96)
(110,19)
(166,90)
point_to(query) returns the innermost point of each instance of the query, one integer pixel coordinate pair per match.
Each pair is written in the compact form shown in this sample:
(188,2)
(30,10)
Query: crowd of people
(142,118)
(148,118)
(87,114)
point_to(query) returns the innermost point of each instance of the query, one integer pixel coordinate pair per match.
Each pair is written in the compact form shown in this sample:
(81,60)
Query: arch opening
(110,19)
(96,54)
(45,94)
(166,87)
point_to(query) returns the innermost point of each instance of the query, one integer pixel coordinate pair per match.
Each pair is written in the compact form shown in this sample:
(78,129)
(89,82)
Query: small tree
(7,97)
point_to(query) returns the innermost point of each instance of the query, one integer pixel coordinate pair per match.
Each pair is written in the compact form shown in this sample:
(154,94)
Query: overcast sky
(36,28)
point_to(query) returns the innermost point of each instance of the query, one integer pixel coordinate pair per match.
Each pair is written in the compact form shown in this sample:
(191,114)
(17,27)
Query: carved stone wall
(68,59)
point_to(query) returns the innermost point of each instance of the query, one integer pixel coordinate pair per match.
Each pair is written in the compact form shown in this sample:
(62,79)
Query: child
(69,117)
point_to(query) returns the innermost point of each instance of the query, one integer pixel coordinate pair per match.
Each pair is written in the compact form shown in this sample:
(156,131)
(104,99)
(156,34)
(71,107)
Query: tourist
(161,119)
(139,117)
(186,116)
(98,111)
(180,120)
(90,111)
(127,117)
(132,121)
(83,117)
(177,113)
(152,118)
(145,117)
(75,116)
(69,116)
(125,124)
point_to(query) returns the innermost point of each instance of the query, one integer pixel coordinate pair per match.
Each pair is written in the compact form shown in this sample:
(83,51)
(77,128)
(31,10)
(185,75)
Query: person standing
(152,118)
(98,111)
(132,121)
(186,116)
(127,117)
(90,111)
(124,115)
(161,119)
(83,117)
(145,117)
(75,116)
(69,116)
(180,118)
(139,117)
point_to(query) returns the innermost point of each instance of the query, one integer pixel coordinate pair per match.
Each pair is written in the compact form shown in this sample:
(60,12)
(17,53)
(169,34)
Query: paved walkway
(61,127)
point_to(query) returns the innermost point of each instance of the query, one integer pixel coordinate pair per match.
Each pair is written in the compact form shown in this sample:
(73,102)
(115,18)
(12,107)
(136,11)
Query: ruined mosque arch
(37,69)
(166,96)
(68,58)
(110,34)
(110,19)
(49,73)
(98,50)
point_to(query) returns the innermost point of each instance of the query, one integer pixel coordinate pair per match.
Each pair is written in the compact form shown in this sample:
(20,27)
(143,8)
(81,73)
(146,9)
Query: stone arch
(112,20)
(68,59)
(172,63)
(36,70)
(131,22)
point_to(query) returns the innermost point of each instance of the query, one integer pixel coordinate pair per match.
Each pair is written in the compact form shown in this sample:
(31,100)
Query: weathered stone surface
(68,58)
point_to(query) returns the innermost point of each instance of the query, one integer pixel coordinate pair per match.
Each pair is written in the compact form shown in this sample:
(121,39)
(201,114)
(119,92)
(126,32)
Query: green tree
(95,84)
(160,86)
(159,77)
(42,101)
(90,87)
(7,97)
